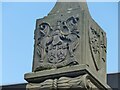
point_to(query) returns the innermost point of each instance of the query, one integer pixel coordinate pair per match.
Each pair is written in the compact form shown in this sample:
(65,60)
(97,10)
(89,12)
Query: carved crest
(55,44)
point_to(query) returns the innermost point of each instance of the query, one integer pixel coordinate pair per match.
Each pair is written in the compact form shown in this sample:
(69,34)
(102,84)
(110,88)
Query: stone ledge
(73,71)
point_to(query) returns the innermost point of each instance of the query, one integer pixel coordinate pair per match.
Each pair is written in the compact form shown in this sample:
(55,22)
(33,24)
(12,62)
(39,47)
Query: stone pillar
(69,50)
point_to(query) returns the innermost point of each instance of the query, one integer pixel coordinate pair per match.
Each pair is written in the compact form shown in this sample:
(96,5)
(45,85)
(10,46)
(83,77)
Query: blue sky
(18,25)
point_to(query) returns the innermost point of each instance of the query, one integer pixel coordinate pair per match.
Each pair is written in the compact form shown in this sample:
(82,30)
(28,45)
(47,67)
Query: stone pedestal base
(67,78)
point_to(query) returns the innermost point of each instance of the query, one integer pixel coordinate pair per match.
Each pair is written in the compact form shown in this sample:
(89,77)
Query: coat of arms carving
(55,45)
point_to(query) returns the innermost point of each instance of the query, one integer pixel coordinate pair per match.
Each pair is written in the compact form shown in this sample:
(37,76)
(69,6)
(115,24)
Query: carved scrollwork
(54,45)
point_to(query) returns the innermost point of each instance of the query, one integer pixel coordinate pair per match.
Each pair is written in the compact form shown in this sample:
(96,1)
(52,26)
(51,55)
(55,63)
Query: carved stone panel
(56,45)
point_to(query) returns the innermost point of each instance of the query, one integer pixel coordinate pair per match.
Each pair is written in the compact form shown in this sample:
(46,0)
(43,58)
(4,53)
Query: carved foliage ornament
(54,45)
(80,82)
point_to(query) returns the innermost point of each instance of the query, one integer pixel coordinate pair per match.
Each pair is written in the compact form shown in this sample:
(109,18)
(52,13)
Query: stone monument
(69,50)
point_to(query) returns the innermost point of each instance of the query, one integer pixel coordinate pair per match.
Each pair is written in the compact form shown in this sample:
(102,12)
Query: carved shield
(57,53)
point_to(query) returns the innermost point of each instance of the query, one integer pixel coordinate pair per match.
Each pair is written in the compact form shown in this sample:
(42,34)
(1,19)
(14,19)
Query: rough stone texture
(69,51)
